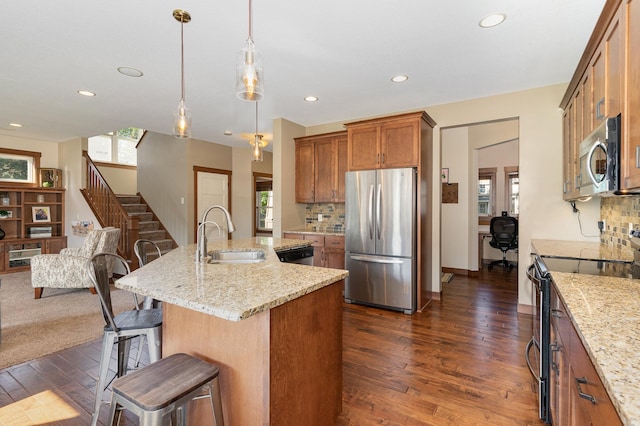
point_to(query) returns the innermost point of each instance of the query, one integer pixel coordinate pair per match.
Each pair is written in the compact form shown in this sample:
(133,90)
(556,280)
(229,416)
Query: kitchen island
(274,329)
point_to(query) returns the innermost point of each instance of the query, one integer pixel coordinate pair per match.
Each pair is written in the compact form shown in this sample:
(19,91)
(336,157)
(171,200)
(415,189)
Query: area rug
(446,277)
(62,318)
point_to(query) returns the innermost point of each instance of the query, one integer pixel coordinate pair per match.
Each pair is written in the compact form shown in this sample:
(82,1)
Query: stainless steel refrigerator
(380,238)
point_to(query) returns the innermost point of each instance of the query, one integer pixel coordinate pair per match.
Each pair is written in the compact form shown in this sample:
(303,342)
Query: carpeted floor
(60,319)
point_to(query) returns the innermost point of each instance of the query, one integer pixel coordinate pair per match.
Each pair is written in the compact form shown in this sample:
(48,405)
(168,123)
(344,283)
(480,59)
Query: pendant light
(249,79)
(257,144)
(182,115)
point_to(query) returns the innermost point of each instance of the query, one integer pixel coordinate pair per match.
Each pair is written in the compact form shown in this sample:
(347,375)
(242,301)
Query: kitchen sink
(237,256)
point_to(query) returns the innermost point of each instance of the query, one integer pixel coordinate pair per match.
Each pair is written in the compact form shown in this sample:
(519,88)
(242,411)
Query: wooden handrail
(107,209)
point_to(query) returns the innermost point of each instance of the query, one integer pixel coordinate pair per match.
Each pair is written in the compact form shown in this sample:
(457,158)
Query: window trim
(508,172)
(488,173)
(33,160)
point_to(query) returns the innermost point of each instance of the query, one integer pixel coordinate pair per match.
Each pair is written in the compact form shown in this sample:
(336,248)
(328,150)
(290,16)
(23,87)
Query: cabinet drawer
(334,241)
(317,240)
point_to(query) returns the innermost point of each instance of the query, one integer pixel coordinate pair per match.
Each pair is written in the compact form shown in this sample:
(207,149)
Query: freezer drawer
(381,281)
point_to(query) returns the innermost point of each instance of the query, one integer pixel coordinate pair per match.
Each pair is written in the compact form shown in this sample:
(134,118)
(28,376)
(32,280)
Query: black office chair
(504,237)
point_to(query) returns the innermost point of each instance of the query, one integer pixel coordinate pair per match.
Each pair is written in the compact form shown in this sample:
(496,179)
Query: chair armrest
(54,270)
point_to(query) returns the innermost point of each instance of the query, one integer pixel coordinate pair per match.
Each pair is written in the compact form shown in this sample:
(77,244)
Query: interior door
(213,188)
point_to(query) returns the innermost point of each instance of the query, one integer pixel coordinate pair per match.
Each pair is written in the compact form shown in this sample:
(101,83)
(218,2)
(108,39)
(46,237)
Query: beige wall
(287,214)
(163,179)
(48,150)
(543,213)
(121,180)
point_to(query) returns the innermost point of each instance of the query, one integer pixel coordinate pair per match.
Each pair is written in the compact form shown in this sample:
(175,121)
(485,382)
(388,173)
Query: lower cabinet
(16,254)
(328,250)
(578,396)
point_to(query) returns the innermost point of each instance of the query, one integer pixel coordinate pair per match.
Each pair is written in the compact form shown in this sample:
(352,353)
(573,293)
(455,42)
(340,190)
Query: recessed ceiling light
(492,20)
(86,93)
(130,72)
(399,78)
(15,124)
(228,133)
(311,98)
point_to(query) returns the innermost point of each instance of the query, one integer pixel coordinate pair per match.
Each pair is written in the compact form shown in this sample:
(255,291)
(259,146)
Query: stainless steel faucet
(201,234)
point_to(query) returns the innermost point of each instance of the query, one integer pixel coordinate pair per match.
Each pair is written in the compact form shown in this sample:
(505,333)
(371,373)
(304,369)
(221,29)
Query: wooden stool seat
(163,387)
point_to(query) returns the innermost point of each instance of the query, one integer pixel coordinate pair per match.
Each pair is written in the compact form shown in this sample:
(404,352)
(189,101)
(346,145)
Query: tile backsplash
(618,212)
(332,217)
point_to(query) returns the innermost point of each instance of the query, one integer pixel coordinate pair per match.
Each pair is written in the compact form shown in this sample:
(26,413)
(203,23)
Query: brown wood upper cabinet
(597,91)
(385,143)
(321,162)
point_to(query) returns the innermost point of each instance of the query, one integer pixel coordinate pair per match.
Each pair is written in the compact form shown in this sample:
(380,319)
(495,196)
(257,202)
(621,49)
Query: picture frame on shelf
(41,214)
(50,178)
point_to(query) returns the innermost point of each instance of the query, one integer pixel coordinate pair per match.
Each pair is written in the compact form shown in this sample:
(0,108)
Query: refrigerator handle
(371,259)
(370,218)
(378,209)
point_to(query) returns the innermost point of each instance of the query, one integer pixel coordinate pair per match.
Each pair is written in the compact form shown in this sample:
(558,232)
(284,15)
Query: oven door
(538,349)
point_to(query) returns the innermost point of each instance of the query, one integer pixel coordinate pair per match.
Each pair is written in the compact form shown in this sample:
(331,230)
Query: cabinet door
(334,251)
(305,171)
(54,245)
(399,144)
(342,152)
(325,170)
(2,257)
(614,65)
(585,383)
(598,94)
(587,111)
(567,163)
(363,147)
(631,117)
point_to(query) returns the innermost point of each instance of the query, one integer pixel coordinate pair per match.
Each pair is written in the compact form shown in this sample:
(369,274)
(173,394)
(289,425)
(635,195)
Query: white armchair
(68,268)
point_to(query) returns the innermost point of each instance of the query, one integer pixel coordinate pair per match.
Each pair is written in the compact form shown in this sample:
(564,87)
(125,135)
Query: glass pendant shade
(249,73)
(182,121)
(257,148)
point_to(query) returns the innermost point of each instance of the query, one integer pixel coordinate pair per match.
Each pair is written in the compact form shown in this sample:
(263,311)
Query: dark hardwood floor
(461,362)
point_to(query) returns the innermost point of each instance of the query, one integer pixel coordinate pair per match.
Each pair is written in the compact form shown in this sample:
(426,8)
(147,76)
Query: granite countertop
(229,291)
(606,314)
(579,250)
(314,232)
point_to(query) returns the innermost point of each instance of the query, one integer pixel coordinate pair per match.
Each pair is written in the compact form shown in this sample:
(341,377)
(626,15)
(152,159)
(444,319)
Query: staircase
(150,228)
(129,213)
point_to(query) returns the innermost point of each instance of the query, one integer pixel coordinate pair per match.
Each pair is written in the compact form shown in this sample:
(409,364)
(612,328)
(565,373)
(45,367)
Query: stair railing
(107,209)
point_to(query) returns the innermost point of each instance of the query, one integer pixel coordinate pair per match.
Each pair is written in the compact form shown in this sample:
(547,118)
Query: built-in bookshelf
(33,222)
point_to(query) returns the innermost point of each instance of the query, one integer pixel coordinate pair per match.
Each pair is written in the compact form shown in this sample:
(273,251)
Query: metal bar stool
(157,392)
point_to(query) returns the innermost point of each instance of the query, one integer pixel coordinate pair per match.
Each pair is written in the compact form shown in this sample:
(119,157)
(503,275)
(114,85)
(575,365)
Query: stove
(605,268)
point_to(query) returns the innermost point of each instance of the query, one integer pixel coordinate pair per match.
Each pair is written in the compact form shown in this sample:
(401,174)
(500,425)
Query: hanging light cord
(250,22)
(256,119)
(182,56)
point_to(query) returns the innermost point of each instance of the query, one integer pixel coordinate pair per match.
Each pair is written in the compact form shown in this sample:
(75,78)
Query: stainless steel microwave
(600,160)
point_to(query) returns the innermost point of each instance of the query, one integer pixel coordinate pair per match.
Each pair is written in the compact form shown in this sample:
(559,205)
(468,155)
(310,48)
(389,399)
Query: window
(18,167)
(116,147)
(486,194)
(264,213)
(512,184)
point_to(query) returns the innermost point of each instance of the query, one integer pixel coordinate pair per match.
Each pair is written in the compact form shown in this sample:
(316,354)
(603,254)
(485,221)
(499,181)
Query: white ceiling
(343,51)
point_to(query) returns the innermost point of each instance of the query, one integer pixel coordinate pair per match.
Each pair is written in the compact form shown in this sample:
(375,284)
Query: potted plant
(4,214)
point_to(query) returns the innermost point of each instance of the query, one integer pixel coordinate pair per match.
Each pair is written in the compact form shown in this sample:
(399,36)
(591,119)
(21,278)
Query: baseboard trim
(526,309)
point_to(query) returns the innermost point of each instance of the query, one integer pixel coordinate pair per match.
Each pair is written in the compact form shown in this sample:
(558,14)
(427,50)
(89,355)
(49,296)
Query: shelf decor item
(4,197)
(5,214)
(50,178)
(2,234)
(41,214)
